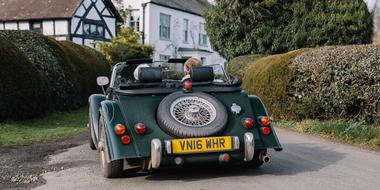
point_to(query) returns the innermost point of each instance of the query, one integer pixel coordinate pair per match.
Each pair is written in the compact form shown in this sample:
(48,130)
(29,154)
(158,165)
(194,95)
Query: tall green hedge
(67,70)
(23,92)
(334,82)
(276,26)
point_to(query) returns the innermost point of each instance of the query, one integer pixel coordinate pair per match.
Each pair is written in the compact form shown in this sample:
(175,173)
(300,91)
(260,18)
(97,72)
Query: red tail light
(265,121)
(249,123)
(126,139)
(120,129)
(265,130)
(188,85)
(140,128)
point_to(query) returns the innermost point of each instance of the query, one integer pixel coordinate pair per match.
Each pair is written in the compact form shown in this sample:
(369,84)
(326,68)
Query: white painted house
(81,21)
(176,28)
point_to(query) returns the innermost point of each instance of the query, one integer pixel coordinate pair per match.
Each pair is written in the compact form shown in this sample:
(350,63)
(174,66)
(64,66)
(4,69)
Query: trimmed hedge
(239,65)
(340,82)
(68,70)
(22,89)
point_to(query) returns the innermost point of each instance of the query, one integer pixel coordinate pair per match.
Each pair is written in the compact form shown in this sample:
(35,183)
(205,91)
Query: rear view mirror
(102,81)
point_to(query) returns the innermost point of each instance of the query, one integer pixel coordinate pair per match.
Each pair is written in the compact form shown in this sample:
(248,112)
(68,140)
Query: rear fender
(94,105)
(113,116)
(269,141)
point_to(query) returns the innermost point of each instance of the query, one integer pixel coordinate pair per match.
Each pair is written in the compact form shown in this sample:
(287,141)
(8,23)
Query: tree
(241,27)
(125,46)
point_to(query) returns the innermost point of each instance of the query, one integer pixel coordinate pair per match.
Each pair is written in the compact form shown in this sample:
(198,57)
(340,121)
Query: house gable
(93,21)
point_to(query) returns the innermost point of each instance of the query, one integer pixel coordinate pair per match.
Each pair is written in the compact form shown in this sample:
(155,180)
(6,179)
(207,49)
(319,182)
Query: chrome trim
(236,143)
(249,146)
(168,147)
(156,153)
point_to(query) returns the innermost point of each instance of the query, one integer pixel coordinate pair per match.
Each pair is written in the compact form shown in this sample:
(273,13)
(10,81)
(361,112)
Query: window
(36,26)
(164,26)
(95,30)
(164,57)
(134,23)
(202,35)
(185,31)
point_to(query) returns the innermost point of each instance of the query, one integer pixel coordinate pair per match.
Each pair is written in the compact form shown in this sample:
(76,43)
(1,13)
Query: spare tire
(188,115)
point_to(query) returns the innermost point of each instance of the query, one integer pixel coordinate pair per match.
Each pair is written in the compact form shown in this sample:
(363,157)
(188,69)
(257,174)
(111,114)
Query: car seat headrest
(202,74)
(150,74)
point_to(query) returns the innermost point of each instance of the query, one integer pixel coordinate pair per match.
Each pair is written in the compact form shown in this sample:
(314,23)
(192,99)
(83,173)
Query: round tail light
(249,123)
(265,130)
(140,128)
(126,139)
(188,85)
(265,121)
(120,129)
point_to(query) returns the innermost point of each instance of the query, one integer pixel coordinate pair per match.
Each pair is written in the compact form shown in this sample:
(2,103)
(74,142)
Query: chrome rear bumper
(157,149)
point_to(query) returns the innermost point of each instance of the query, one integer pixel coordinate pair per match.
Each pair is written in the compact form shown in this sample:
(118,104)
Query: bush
(325,83)
(46,56)
(23,92)
(268,78)
(125,46)
(238,65)
(67,71)
(275,26)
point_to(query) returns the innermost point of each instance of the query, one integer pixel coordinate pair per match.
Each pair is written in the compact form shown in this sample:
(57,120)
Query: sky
(371,3)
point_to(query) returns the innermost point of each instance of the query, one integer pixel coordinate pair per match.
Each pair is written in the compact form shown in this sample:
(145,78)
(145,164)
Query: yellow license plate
(200,145)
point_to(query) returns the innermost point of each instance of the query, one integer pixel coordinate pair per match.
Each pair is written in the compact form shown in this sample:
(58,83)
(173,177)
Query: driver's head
(191,63)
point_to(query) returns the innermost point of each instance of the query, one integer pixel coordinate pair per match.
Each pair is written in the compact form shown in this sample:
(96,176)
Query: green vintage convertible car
(155,120)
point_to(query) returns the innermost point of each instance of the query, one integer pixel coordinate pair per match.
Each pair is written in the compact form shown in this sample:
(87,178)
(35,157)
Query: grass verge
(55,126)
(355,133)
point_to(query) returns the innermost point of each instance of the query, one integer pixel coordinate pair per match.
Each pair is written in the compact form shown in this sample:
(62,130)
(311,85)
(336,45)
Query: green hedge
(68,70)
(23,92)
(239,65)
(325,83)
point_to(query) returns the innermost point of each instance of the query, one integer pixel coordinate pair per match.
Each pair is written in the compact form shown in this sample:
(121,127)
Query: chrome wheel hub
(193,111)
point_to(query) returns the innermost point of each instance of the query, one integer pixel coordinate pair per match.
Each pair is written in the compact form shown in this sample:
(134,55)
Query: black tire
(90,131)
(256,162)
(89,139)
(112,169)
(180,130)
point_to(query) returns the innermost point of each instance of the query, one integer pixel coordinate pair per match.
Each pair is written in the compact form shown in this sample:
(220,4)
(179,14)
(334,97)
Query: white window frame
(202,35)
(165,27)
(186,31)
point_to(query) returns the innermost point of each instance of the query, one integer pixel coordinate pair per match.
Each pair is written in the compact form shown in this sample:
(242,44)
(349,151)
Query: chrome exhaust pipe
(264,158)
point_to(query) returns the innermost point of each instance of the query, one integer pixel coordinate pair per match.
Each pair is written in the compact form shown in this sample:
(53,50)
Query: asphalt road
(306,163)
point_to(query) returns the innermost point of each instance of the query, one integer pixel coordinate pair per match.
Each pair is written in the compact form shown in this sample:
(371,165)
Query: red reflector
(126,139)
(249,123)
(188,85)
(120,129)
(265,130)
(140,128)
(265,121)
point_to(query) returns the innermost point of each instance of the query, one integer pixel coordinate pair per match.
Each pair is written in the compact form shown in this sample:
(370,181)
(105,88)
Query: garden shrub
(268,78)
(23,92)
(238,65)
(335,82)
(67,71)
(46,56)
(246,27)
(125,46)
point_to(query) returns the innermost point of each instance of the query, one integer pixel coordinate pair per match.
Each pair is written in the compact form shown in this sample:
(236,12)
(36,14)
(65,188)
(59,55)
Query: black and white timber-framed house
(80,21)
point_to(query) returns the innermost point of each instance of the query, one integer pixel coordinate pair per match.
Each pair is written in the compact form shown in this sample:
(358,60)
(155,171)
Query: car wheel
(187,115)
(110,169)
(256,162)
(90,132)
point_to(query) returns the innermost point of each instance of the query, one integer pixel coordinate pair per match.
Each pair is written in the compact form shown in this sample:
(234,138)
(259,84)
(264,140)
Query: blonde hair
(190,63)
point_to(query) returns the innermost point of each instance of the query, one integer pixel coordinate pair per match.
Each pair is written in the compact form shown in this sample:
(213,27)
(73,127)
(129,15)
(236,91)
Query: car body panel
(94,105)
(130,110)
